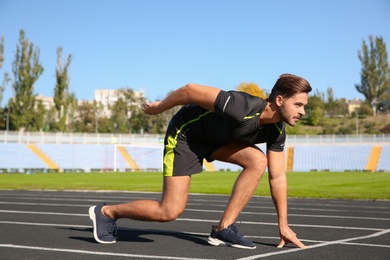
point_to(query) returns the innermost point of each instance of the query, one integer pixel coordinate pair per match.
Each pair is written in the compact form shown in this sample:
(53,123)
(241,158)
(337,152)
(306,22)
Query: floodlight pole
(7,124)
(357,121)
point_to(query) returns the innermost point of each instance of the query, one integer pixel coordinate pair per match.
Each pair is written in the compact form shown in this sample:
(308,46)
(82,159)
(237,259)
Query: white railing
(150,139)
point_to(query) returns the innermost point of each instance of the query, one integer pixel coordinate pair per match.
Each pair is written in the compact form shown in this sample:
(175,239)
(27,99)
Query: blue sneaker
(230,236)
(103,226)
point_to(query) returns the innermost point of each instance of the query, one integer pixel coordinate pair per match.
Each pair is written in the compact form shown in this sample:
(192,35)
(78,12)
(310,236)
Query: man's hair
(288,85)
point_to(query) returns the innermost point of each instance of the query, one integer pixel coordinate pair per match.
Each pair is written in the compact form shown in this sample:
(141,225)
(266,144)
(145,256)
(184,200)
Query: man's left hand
(288,236)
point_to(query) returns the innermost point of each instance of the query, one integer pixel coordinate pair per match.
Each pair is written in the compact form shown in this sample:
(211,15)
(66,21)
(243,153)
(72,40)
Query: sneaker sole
(217,242)
(92,216)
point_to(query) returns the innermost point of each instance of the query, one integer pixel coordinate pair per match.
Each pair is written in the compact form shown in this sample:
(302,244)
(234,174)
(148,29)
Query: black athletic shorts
(182,154)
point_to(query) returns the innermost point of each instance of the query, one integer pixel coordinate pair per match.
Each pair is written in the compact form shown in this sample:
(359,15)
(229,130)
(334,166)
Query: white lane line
(317,226)
(136,194)
(364,244)
(77,251)
(294,215)
(320,243)
(44,224)
(43,204)
(169,231)
(201,210)
(198,220)
(290,224)
(341,241)
(43,213)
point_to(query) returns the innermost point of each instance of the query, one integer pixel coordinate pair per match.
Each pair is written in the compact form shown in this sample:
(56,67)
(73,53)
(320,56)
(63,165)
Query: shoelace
(112,227)
(235,230)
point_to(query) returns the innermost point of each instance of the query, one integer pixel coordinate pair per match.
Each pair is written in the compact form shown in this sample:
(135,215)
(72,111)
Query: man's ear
(279,100)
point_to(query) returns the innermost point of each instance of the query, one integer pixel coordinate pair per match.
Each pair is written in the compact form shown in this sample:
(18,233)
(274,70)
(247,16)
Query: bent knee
(170,215)
(256,162)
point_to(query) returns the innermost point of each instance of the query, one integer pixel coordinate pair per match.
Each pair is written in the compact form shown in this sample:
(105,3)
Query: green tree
(331,103)
(375,72)
(39,117)
(72,111)
(314,109)
(62,98)
(129,106)
(1,51)
(26,69)
(159,123)
(342,107)
(120,116)
(85,121)
(4,113)
(251,88)
(6,78)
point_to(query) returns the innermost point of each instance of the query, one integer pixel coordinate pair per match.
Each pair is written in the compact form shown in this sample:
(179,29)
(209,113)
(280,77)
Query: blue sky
(157,46)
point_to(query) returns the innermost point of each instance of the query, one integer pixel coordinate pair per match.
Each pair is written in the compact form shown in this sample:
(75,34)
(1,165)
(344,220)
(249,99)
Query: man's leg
(254,162)
(172,204)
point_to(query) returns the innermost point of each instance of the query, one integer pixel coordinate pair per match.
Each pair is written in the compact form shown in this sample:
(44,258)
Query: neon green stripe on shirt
(169,156)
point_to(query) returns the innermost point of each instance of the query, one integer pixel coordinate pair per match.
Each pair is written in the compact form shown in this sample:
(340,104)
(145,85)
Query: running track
(55,225)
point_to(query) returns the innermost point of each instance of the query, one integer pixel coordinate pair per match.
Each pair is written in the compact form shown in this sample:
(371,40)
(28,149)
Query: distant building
(106,97)
(353,104)
(47,102)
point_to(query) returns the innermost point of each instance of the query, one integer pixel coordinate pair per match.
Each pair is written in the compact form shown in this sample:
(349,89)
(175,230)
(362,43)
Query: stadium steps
(384,160)
(133,165)
(374,159)
(208,166)
(52,165)
(290,159)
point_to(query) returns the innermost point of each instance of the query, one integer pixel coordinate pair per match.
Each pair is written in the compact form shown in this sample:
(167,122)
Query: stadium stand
(16,157)
(331,157)
(146,158)
(223,166)
(83,157)
(384,159)
(88,152)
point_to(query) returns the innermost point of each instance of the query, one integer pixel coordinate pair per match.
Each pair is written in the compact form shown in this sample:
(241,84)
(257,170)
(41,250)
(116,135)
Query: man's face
(291,110)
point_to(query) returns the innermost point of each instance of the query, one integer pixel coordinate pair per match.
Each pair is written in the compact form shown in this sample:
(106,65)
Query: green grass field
(335,185)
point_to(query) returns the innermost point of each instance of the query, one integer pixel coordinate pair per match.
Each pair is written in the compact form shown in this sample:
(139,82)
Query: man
(219,125)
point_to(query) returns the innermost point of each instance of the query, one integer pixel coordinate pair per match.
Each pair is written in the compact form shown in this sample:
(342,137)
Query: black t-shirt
(235,118)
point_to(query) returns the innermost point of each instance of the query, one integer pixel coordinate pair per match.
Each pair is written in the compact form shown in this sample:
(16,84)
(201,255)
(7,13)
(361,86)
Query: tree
(251,88)
(62,98)
(342,107)
(72,111)
(137,120)
(39,117)
(6,79)
(1,51)
(314,109)
(2,87)
(120,116)
(4,113)
(331,103)
(375,72)
(86,119)
(26,69)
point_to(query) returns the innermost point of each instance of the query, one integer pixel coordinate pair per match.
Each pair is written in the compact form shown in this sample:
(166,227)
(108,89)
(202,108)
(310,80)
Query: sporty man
(219,125)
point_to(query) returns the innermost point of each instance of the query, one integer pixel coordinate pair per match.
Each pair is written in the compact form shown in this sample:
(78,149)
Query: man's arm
(278,185)
(203,96)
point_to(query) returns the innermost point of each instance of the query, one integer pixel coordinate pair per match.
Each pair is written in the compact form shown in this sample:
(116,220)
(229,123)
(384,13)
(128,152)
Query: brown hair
(288,85)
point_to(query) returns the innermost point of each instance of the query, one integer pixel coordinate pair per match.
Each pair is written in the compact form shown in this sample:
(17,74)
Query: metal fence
(149,139)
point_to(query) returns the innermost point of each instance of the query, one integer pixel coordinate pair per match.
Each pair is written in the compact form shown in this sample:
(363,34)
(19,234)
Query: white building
(108,97)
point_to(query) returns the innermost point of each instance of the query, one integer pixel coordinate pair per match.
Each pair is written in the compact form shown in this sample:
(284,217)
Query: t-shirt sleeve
(232,104)
(277,144)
